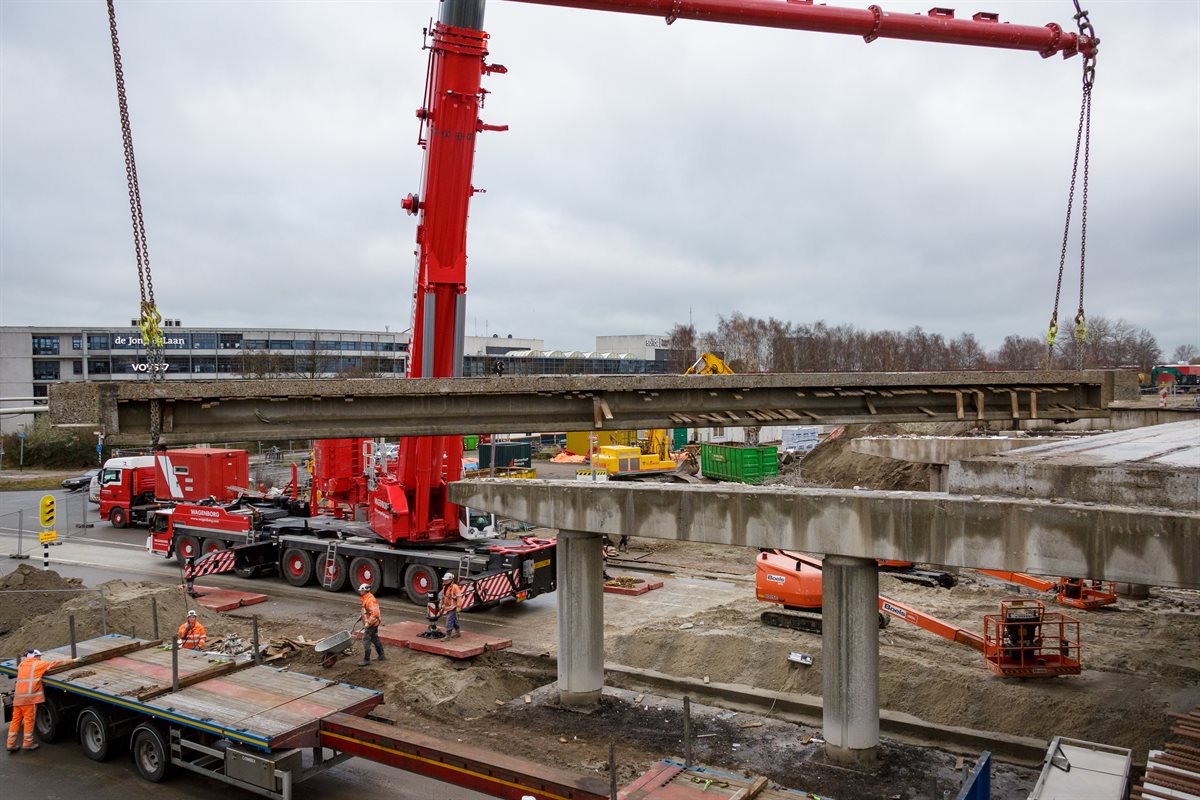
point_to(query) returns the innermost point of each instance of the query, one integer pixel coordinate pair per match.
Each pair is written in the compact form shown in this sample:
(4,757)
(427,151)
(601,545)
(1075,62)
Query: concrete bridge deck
(198,411)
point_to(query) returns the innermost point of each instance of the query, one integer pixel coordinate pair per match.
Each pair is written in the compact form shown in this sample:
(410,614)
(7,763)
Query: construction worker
(452,592)
(27,696)
(370,620)
(606,551)
(192,635)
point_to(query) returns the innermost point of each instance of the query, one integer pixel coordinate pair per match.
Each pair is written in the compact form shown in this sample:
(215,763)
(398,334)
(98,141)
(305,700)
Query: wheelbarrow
(333,646)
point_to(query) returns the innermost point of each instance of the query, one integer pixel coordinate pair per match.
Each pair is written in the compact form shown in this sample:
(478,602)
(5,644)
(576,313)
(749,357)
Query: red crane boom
(414,505)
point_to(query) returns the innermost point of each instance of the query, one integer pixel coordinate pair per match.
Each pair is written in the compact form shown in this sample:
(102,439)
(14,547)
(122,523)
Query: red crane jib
(415,505)
(939,25)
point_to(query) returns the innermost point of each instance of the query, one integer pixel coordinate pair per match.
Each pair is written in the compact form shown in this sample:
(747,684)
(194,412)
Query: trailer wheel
(333,573)
(186,547)
(246,572)
(367,570)
(419,581)
(212,545)
(94,734)
(118,517)
(297,566)
(52,720)
(150,754)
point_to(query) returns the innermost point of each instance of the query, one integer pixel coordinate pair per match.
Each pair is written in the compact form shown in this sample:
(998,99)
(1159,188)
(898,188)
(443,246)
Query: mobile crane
(1023,640)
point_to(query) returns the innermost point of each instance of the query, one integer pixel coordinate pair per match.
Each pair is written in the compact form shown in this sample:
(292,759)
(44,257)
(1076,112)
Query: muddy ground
(1141,660)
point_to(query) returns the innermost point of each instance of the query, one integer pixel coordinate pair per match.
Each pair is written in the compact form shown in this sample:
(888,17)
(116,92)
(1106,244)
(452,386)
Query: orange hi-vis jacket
(194,637)
(452,597)
(370,611)
(29,691)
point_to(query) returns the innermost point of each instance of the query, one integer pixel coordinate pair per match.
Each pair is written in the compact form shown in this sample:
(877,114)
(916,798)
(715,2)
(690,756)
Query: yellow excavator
(657,441)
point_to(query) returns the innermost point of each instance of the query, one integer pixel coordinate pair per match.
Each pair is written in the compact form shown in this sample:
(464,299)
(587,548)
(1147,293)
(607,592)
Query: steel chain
(1083,137)
(149,318)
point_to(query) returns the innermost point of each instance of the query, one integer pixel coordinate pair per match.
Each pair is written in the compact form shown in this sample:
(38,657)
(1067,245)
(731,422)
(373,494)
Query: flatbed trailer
(338,553)
(247,725)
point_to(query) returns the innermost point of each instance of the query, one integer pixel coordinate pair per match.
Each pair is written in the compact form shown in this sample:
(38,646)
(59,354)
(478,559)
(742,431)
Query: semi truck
(133,487)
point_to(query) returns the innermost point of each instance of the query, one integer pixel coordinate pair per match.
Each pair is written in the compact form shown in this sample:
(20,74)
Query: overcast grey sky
(652,174)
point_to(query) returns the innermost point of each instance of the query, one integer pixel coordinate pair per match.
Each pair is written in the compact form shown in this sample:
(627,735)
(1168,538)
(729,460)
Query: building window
(45,370)
(230,364)
(45,346)
(306,344)
(282,344)
(41,390)
(99,366)
(231,341)
(97,341)
(178,364)
(329,344)
(204,365)
(77,367)
(254,344)
(77,341)
(204,341)
(177,341)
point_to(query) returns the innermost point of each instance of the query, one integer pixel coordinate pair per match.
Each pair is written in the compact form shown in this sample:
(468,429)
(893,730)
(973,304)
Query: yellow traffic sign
(47,536)
(46,511)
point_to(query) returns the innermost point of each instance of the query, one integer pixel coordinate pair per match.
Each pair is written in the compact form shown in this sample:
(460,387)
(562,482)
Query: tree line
(749,344)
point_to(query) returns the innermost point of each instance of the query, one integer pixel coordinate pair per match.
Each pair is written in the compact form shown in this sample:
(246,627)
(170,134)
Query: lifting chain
(1083,138)
(149,318)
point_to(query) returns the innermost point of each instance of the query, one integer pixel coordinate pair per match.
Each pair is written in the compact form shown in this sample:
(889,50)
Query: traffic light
(46,512)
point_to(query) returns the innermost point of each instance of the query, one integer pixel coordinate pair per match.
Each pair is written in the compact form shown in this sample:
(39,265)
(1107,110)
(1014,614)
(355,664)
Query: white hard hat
(35,653)
(364,587)
(191,613)
(449,576)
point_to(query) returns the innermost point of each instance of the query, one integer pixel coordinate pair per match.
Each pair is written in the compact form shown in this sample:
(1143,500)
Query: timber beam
(240,410)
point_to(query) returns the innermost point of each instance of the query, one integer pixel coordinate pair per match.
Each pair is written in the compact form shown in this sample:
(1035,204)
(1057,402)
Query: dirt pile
(116,606)
(30,592)
(833,462)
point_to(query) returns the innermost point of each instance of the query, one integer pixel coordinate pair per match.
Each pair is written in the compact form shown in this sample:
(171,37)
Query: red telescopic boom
(940,25)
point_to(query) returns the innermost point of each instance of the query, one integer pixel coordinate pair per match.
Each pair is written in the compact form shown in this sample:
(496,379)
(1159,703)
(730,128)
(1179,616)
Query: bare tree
(681,349)
(313,362)
(265,364)
(1185,353)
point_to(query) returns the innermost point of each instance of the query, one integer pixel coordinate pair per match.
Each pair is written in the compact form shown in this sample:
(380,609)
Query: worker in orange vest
(192,634)
(28,695)
(370,620)
(452,597)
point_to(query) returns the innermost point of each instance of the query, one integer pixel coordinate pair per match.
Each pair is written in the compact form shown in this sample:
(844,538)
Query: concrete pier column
(1133,591)
(939,477)
(580,618)
(850,658)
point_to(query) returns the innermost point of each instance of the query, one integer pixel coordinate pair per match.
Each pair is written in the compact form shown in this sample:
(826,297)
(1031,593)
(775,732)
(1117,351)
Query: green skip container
(738,463)
(470,443)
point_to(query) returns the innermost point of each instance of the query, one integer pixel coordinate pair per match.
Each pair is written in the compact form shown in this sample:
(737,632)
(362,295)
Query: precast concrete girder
(233,410)
(1160,547)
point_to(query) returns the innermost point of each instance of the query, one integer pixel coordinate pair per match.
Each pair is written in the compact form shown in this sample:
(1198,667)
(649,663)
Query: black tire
(211,545)
(419,581)
(341,573)
(95,735)
(368,571)
(119,517)
(186,547)
(151,755)
(296,566)
(52,721)
(246,572)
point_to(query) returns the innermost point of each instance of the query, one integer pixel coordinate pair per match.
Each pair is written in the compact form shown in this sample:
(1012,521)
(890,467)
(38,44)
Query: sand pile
(126,609)
(30,592)
(834,464)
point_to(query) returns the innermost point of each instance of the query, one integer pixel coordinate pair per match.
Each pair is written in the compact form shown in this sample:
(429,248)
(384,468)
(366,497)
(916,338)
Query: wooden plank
(753,790)
(100,655)
(1152,793)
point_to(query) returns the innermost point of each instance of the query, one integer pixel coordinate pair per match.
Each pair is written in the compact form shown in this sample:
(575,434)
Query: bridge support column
(850,658)
(580,618)
(1133,591)
(939,478)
